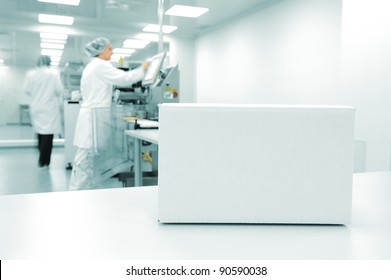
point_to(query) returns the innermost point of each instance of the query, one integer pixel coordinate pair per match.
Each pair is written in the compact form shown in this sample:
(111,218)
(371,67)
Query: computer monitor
(153,70)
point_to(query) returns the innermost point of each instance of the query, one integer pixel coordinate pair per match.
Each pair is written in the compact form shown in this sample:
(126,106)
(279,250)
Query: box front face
(255,164)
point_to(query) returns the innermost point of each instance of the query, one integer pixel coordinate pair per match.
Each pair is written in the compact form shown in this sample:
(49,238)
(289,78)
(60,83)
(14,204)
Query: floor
(19,173)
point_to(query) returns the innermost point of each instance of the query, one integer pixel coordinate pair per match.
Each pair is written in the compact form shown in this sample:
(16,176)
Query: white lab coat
(96,89)
(45,88)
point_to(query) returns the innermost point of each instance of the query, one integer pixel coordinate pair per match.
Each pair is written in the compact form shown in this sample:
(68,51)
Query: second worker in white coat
(45,88)
(96,90)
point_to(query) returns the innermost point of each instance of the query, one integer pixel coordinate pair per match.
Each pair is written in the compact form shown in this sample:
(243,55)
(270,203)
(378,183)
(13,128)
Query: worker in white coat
(96,90)
(45,88)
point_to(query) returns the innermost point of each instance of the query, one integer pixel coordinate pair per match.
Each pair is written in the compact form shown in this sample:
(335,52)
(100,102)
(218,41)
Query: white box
(255,163)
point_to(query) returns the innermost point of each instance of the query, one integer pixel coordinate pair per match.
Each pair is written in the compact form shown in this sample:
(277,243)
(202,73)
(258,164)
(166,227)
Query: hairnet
(96,46)
(44,60)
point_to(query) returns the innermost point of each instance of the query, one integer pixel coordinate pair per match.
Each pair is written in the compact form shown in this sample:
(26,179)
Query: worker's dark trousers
(45,145)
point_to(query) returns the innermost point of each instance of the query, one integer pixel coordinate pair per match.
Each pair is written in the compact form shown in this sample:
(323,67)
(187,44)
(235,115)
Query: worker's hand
(146,65)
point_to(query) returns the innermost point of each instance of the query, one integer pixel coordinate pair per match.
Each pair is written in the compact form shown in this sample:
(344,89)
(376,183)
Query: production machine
(159,86)
(131,108)
(136,107)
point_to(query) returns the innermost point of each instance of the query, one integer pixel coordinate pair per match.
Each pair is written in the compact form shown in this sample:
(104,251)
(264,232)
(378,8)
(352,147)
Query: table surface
(149,135)
(123,224)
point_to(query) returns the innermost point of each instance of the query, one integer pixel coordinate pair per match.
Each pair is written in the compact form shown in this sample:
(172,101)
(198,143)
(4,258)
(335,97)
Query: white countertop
(149,135)
(122,224)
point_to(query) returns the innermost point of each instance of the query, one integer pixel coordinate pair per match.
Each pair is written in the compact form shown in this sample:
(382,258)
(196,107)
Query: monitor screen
(153,70)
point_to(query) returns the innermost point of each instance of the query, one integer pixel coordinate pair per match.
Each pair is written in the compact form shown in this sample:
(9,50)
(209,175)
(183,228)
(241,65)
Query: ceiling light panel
(186,11)
(54,19)
(54,41)
(56,36)
(152,37)
(64,2)
(123,51)
(54,29)
(50,52)
(135,44)
(55,58)
(52,46)
(155,28)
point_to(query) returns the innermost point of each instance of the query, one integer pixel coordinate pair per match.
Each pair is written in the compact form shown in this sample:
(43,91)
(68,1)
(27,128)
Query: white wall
(366,74)
(285,53)
(11,81)
(182,53)
(290,52)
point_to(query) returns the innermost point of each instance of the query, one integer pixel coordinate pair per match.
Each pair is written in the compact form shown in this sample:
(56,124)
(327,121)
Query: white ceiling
(114,19)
